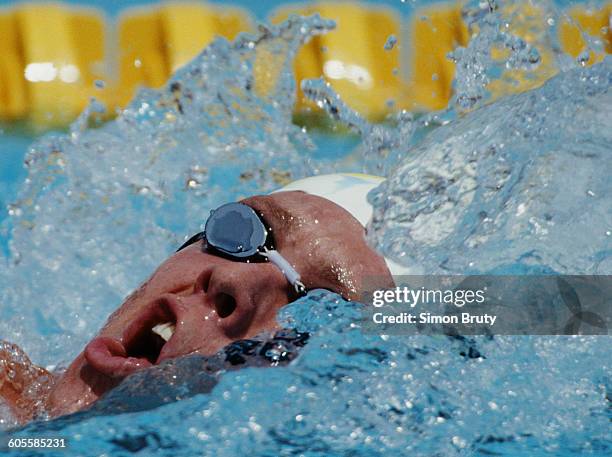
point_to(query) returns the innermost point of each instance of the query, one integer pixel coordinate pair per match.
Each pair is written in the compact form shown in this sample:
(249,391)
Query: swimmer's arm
(23,385)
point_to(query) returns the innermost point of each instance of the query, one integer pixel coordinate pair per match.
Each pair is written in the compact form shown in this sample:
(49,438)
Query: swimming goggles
(235,230)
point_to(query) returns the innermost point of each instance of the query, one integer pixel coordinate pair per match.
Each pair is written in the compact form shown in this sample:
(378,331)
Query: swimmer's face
(212,301)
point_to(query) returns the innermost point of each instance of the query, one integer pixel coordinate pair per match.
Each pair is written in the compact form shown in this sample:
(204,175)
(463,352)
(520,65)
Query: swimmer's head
(199,301)
(349,191)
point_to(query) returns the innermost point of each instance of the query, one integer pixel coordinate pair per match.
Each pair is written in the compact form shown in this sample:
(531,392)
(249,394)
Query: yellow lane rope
(52,54)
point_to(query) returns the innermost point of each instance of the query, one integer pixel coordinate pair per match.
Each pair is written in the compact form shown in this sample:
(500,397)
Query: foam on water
(518,185)
(521,184)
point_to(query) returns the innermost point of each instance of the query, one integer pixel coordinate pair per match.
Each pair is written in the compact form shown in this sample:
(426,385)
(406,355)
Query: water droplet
(390,43)
(459,442)
(583,58)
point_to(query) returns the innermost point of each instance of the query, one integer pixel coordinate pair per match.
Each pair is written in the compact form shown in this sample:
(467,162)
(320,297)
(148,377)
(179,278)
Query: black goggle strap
(273,256)
(285,267)
(194,239)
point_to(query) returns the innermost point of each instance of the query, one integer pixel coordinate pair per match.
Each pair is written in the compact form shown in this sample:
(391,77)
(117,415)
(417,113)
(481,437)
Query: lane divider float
(53,56)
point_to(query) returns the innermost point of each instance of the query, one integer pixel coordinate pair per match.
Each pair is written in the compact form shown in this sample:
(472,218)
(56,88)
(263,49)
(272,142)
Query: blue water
(102,208)
(12,171)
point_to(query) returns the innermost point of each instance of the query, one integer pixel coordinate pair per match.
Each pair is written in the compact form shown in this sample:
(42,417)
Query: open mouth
(142,344)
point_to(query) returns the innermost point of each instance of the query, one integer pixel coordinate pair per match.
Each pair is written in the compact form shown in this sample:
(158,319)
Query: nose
(245,296)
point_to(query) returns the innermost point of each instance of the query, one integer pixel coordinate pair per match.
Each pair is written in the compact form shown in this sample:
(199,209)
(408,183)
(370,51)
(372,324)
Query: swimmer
(224,284)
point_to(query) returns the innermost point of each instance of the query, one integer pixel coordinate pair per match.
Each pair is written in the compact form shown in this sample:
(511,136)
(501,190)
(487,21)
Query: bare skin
(211,300)
(23,385)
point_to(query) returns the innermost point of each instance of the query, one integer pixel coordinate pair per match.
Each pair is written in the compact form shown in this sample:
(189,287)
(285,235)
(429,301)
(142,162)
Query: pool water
(100,208)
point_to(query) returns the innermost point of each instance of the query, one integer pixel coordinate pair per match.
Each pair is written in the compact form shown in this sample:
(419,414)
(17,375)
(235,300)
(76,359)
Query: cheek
(163,280)
(176,273)
(118,321)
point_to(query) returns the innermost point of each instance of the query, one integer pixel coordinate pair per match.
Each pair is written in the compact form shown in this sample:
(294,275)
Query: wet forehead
(299,211)
(315,234)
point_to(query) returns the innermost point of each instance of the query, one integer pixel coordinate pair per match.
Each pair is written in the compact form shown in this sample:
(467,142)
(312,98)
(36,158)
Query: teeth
(165,330)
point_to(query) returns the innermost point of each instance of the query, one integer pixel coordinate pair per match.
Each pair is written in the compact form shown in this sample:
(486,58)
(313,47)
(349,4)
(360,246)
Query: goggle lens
(236,230)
